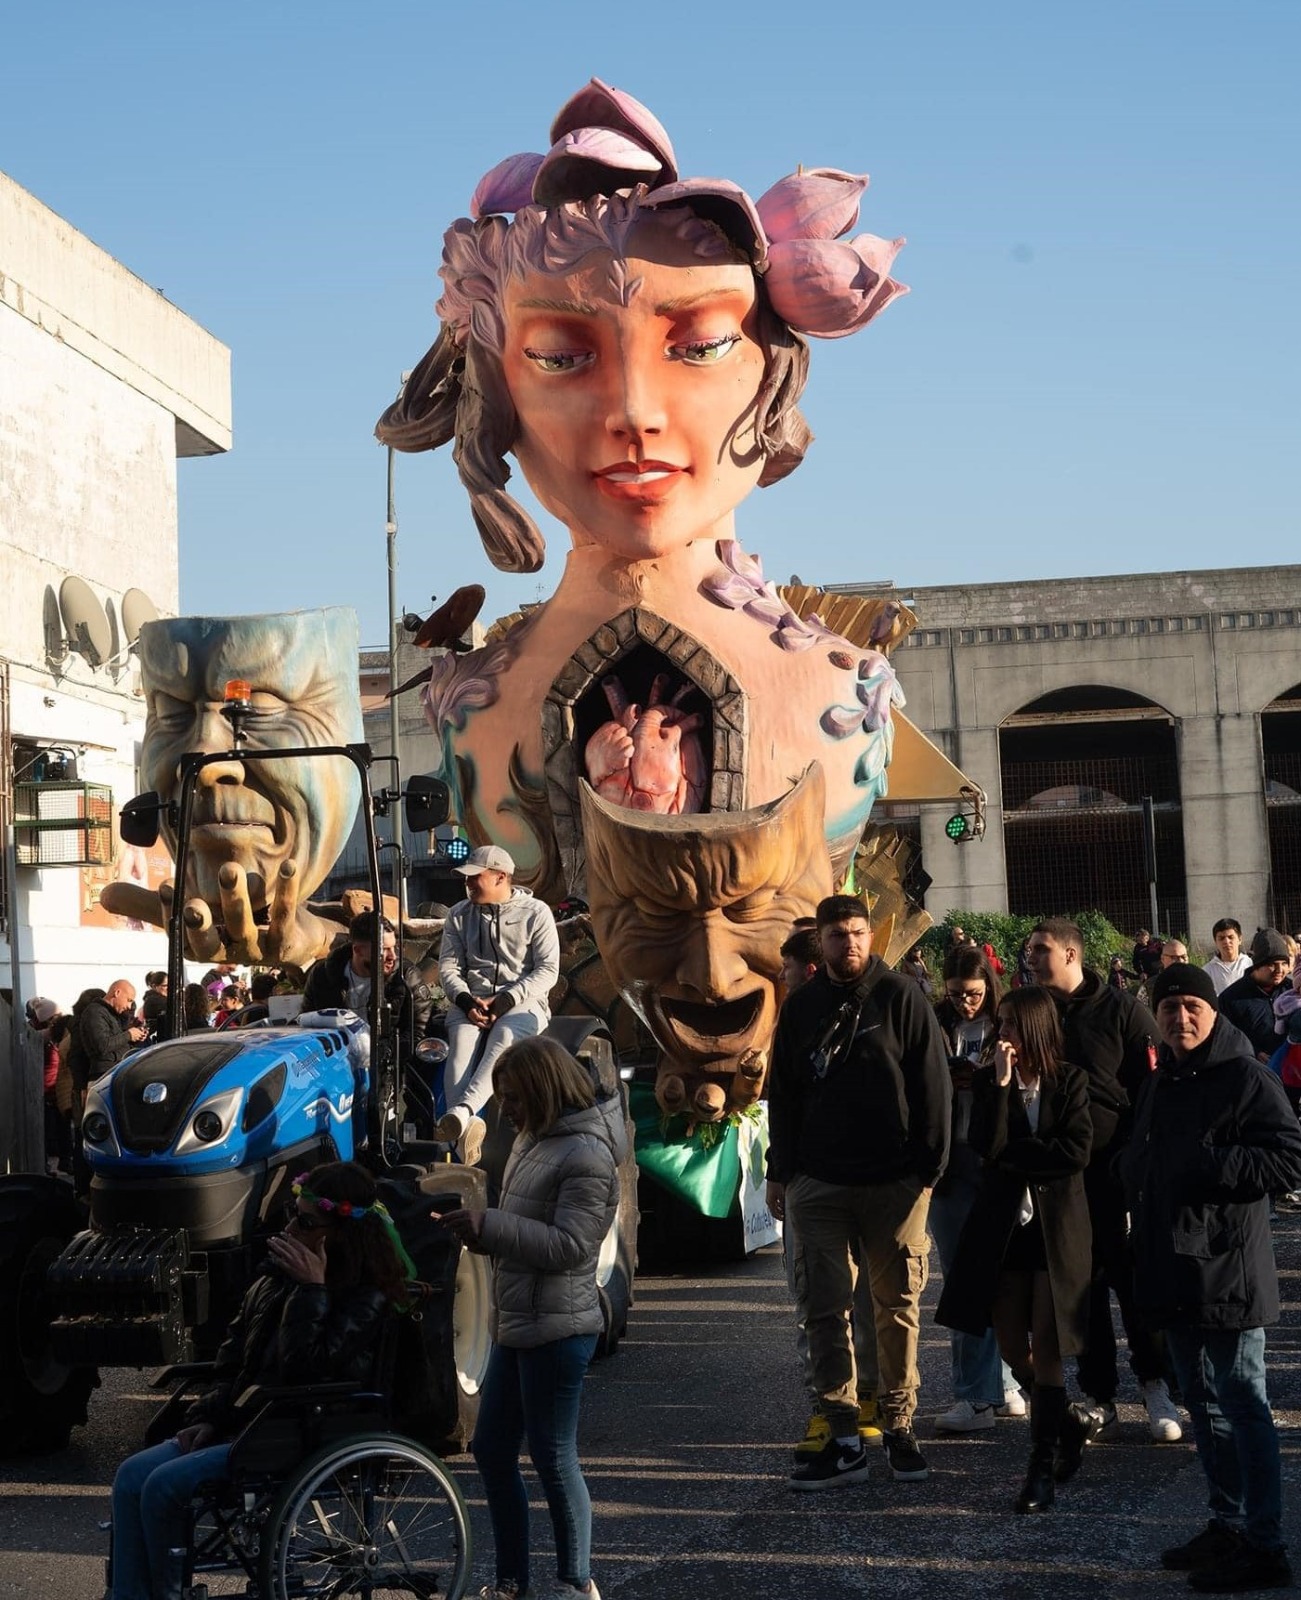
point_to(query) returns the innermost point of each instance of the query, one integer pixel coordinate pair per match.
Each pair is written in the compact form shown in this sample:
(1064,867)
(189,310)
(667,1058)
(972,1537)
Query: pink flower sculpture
(603,142)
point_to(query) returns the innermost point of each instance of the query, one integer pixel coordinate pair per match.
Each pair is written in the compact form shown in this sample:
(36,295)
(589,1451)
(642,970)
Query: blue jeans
(980,1374)
(535,1393)
(1222,1376)
(151,1498)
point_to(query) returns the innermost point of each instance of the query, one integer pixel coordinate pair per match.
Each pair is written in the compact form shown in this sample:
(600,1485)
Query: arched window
(1280,737)
(1076,766)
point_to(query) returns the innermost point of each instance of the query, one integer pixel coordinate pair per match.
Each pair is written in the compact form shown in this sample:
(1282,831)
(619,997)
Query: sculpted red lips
(639,482)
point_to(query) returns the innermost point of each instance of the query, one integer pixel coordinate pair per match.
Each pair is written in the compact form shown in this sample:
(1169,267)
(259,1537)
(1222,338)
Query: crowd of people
(1064,1141)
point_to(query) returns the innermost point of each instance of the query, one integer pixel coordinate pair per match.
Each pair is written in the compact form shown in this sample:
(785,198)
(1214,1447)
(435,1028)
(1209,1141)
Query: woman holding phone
(1023,1264)
(559,1195)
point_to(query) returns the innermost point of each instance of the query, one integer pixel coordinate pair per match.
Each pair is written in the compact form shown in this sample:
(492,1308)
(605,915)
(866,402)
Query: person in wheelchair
(316,1315)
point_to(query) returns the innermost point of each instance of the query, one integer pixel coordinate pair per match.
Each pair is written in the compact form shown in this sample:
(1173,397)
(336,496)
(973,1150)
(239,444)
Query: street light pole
(391,539)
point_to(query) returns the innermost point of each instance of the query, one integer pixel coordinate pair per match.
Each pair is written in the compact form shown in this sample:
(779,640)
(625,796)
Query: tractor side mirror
(140,818)
(428,802)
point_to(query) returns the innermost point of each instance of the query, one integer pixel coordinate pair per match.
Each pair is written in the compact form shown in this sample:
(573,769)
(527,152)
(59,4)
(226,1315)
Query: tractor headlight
(95,1128)
(212,1122)
(207,1126)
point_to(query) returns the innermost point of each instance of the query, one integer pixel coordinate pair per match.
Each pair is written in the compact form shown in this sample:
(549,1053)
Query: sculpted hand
(292,934)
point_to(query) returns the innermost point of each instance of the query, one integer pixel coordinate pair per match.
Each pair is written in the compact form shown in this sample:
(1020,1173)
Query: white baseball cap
(487,858)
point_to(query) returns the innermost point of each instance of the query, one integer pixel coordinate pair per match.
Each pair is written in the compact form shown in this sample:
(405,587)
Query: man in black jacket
(1112,1035)
(1214,1136)
(106,1030)
(858,1107)
(1249,1003)
(344,977)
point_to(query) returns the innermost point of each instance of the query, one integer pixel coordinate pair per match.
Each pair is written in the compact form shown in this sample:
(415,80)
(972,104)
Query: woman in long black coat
(1025,1256)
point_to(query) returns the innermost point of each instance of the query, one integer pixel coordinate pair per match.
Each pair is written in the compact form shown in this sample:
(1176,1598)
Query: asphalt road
(686,1436)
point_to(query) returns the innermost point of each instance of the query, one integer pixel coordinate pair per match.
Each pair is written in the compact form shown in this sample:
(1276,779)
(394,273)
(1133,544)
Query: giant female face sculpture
(636,343)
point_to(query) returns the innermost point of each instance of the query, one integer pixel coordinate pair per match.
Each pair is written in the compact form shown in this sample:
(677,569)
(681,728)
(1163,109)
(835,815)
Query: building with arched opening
(1070,702)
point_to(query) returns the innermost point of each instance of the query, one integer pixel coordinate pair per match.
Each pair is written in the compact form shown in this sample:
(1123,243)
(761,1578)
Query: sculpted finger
(284,908)
(237,913)
(133,900)
(202,939)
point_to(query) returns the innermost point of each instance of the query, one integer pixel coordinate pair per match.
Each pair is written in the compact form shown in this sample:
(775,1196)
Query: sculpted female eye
(558,360)
(705,352)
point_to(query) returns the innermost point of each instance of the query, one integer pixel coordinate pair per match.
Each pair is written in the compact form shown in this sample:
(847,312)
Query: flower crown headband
(330,1208)
(605,143)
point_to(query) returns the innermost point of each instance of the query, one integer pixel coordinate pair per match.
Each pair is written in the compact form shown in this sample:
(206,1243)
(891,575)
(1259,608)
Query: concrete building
(103,386)
(1068,701)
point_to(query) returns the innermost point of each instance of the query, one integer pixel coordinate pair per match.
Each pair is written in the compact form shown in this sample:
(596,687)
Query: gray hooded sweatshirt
(509,948)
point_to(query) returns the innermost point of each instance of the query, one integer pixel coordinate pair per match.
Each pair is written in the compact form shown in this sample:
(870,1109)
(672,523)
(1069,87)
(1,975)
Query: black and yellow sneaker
(868,1428)
(833,1465)
(815,1438)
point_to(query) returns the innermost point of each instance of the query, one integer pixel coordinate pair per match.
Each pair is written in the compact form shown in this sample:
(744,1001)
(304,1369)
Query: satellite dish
(56,646)
(85,620)
(137,609)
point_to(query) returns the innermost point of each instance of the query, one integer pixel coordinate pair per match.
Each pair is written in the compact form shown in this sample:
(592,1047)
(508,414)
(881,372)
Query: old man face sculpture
(265,833)
(690,913)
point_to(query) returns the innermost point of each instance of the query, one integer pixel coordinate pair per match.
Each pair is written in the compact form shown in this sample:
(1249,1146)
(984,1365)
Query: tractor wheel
(41,1400)
(454,1324)
(616,1266)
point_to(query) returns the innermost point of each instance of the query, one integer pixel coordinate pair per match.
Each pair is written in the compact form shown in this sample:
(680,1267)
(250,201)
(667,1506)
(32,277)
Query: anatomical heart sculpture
(637,342)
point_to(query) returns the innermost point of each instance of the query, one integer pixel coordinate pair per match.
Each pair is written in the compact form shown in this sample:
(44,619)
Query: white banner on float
(759,1225)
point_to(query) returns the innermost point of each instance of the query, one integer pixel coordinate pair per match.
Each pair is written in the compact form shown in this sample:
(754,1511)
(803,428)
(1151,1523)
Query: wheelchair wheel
(375,1517)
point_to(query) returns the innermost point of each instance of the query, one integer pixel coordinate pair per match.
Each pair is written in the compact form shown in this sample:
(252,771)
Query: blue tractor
(193,1145)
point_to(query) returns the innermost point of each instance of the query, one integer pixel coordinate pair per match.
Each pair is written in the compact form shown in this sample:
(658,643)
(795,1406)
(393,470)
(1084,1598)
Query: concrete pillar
(970,876)
(1226,844)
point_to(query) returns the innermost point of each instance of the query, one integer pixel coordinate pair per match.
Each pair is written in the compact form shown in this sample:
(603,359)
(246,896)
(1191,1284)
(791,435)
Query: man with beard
(343,979)
(859,1103)
(1112,1035)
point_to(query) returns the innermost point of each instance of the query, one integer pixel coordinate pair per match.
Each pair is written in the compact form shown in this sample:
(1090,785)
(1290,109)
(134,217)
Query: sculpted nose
(213,734)
(637,409)
(711,964)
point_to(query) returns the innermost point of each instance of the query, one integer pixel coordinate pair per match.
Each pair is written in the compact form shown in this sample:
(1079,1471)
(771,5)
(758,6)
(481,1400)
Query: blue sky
(1098,368)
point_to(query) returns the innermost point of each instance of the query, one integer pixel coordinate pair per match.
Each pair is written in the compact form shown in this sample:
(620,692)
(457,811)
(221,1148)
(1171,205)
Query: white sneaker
(963,1417)
(1013,1404)
(1162,1414)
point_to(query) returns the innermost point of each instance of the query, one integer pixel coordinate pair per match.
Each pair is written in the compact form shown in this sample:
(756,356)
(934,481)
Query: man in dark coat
(344,977)
(1249,1003)
(1112,1035)
(859,1102)
(1214,1136)
(106,1030)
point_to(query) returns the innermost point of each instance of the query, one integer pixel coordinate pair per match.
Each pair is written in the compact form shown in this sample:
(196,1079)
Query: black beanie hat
(1184,978)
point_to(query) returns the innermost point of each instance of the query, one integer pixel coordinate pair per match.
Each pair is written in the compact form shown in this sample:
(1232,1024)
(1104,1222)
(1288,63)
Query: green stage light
(458,849)
(957,827)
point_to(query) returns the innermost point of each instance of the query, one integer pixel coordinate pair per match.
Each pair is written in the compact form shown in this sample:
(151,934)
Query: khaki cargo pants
(887,1222)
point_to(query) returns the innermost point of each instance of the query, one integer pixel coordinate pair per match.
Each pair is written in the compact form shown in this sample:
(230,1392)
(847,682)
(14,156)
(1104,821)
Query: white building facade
(103,385)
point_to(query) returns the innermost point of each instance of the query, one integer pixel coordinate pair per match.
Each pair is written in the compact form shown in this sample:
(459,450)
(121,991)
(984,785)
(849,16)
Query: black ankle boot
(1037,1492)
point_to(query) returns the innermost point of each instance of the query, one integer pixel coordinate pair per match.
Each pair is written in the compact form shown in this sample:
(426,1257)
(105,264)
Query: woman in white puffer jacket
(559,1196)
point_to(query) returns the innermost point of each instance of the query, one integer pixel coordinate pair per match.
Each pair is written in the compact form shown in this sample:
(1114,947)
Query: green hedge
(1102,939)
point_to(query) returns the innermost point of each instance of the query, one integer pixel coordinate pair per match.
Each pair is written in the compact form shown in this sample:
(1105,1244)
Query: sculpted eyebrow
(566,308)
(688,302)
